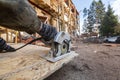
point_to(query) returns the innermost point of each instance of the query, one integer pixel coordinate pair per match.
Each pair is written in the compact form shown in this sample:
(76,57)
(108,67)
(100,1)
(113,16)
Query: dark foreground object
(19,15)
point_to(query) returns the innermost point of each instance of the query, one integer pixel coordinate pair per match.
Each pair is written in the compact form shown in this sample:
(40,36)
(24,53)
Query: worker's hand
(18,15)
(47,32)
(5,47)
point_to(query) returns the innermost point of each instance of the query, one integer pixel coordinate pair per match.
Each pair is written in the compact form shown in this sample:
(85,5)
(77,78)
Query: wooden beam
(46,8)
(11,37)
(6,35)
(63,13)
(16,37)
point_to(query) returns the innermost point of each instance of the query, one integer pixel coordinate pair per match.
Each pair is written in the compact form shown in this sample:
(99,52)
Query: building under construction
(61,14)
(38,62)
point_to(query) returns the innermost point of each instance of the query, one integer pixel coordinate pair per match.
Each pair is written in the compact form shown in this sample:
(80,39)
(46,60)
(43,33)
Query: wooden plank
(26,64)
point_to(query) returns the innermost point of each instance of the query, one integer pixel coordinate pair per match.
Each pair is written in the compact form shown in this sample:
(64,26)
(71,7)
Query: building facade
(61,14)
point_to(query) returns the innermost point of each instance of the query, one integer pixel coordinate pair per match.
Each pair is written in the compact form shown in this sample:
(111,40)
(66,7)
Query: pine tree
(95,14)
(85,25)
(117,29)
(91,15)
(109,22)
(100,11)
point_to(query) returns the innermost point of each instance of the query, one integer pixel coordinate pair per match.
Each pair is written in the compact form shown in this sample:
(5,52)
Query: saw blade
(64,48)
(61,49)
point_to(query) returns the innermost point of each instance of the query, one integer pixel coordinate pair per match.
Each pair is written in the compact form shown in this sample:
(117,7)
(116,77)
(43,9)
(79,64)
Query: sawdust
(95,62)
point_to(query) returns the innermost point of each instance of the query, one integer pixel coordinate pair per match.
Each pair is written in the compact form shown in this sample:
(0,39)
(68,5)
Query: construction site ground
(95,62)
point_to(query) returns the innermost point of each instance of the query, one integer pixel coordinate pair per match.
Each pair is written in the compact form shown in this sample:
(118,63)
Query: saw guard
(55,52)
(61,36)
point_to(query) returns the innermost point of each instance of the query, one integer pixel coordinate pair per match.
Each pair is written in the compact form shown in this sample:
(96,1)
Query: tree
(117,29)
(91,15)
(109,22)
(95,14)
(100,11)
(85,26)
(90,20)
(85,11)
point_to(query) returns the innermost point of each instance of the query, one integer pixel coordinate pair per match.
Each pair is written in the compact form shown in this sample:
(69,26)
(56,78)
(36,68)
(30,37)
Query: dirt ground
(95,62)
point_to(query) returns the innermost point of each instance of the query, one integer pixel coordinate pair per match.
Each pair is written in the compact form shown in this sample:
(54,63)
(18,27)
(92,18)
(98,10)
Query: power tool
(60,47)
(20,15)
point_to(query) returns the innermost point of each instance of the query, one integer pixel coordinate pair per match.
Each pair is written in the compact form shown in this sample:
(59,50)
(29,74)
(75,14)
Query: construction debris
(111,44)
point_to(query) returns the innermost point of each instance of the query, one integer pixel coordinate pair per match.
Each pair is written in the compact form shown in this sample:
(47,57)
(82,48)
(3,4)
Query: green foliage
(117,29)
(85,11)
(91,14)
(100,11)
(85,26)
(95,14)
(109,22)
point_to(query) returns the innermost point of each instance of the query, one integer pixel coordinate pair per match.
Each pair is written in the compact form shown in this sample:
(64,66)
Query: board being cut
(26,64)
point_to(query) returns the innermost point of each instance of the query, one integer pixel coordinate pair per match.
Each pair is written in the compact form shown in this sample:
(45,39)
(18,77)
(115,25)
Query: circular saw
(60,47)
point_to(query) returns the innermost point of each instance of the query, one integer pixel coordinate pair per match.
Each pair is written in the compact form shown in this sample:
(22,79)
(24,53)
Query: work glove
(5,47)
(47,32)
(20,15)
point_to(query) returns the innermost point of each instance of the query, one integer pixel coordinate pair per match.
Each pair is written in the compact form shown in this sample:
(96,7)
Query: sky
(81,4)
